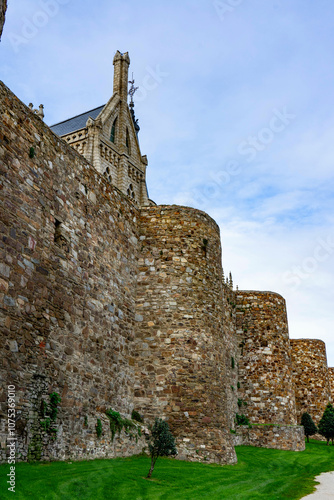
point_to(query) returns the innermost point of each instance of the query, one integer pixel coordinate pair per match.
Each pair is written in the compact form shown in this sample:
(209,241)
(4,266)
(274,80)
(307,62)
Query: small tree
(161,443)
(309,426)
(326,424)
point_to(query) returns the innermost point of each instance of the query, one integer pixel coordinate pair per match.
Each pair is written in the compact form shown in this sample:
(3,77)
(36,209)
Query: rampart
(68,272)
(265,372)
(113,306)
(279,437)
(331,381)
(181,351)
(311,378)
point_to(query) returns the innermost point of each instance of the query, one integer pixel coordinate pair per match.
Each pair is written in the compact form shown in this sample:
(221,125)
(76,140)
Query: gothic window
(113,131)
(130,192)
(107,174)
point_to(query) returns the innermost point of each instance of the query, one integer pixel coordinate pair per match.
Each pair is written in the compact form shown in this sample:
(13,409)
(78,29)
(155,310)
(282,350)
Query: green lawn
(260,473)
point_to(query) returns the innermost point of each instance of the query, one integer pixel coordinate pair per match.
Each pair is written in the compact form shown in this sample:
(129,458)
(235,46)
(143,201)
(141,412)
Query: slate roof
(75,123)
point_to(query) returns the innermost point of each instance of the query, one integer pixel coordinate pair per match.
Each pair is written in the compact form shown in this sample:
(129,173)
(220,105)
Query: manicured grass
(260,474)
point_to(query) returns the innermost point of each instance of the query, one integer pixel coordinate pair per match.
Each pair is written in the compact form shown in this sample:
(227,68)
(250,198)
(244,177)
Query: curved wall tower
(311,377)
(181,354)
(265,373)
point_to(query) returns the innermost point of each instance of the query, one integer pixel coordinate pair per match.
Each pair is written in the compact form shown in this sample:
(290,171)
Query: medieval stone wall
(231,353)
(265,372)
(181,350)
(68,270)
(311,378)
(331,381)
(279,437)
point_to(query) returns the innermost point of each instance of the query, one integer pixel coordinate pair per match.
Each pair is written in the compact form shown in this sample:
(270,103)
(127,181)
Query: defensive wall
(118,307)
(311,377)
(72,250)
(181,351)
(68,273)
(265,372)
(279,437)
(331,381)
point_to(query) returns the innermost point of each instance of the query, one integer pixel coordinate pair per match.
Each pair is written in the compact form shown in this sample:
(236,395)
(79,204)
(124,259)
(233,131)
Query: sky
(235,108)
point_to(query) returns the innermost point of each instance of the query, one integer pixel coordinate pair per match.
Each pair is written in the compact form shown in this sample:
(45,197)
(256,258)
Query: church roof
(75,123)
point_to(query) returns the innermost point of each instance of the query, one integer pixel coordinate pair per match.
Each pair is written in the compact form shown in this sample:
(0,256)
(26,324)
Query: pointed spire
(231,281)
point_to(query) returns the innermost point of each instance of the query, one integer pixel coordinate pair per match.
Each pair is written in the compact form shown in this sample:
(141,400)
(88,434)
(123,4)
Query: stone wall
(331,381)
(265,372)
(232,352)
(68,271)
(181,350)
(311,378)
(279,437)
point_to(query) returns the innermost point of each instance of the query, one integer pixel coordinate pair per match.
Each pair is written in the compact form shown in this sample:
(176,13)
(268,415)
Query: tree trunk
(152,468)
(307,439)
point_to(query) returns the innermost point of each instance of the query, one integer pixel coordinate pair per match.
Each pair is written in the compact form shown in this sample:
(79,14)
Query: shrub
(161,443)
(309,426)
(136,416)
(326,424)
(241,420)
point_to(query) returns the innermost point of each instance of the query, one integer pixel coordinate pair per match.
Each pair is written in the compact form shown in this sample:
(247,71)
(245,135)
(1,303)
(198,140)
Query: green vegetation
(326,424)
(241,402)
(31,152)
(48,414)
(309,426)
(242,420)
(161,442)
(98,428)
(136,416)
(260,474)
(117,423)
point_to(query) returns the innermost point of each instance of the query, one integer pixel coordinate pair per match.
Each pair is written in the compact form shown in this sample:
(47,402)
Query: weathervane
(132,90)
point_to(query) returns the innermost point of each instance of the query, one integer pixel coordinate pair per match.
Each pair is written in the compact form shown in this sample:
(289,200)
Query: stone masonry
(331,381)
(265,371)
(279,437)
(109,140)
(180,350)
(67,295)
(311,377)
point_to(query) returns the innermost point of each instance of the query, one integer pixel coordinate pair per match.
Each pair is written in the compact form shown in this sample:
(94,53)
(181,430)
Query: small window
(130,192)
(127,141)
(113,131)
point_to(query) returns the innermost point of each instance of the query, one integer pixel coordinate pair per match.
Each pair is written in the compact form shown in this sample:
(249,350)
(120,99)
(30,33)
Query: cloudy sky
(236,113)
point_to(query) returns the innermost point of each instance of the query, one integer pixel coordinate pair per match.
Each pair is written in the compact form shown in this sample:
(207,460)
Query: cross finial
(133,89)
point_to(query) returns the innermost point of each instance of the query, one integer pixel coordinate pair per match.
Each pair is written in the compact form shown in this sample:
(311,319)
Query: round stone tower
(180,354)
(311,377)
(265,372)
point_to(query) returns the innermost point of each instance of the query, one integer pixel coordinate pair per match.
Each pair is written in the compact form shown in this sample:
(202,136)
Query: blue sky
(236,113)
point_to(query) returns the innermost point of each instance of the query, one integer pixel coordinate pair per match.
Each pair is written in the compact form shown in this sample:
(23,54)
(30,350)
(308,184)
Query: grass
(260,474)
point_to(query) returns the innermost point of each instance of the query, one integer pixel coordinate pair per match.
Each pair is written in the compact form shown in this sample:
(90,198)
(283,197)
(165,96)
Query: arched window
(113,131)
(130,192)
(127,141)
